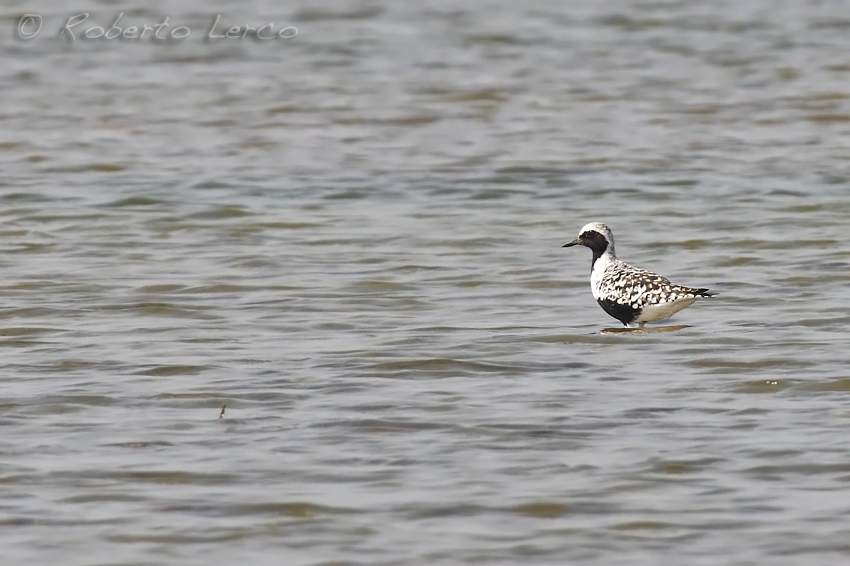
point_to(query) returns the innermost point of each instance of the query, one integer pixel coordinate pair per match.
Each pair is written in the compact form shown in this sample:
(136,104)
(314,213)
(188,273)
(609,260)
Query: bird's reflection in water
(644,330)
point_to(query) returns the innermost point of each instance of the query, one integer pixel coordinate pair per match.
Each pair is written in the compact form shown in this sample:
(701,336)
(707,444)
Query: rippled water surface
(350,240)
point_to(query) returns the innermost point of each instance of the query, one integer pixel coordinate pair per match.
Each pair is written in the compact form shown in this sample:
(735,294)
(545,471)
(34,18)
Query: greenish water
(351,238)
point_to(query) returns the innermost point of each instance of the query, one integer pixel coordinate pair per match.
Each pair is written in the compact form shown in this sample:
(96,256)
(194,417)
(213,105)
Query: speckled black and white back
(633,296)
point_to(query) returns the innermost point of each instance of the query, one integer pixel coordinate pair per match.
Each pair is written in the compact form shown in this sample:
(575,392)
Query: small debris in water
(223,407)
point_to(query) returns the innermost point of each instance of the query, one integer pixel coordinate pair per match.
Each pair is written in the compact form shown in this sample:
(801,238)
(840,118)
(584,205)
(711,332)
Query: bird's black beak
(571,244)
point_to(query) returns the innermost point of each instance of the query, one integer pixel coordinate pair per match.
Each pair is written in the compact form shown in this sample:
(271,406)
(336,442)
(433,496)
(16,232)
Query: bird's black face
(591,239)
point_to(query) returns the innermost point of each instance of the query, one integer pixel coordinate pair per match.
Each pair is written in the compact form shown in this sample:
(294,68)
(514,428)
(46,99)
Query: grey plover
(632,296)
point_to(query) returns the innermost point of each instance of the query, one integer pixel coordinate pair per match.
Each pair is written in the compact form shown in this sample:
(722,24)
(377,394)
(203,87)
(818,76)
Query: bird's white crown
(598,227)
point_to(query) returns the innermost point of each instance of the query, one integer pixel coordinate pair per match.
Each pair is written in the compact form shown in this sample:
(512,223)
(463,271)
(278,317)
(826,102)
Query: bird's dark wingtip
(705,293)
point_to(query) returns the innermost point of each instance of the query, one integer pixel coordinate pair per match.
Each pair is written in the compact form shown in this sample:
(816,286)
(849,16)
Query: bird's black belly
(624,313)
